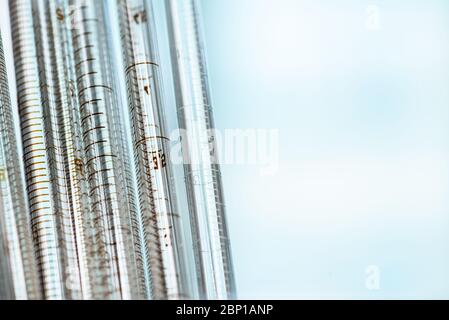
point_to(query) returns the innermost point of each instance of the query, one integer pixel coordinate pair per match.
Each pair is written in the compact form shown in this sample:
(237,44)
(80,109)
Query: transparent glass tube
(56,118)
(81,272)
(89,251)
(7,291)
(82,203)
(105,151)
(19,276)
(162,223)
(203,179)
(35,150)
(86,272)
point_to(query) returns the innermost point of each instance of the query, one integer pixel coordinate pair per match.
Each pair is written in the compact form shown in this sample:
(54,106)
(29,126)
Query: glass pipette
(100,220)
(18,266)
(35,150)
(90,277)
(6,275)
(162,223)
(56,121)
(203,179)
(103,139)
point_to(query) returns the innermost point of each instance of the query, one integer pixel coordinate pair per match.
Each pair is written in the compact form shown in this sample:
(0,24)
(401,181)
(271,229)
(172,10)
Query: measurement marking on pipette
(28,173)
(130,67)
(83,120)
(90,145)
(100,156)
(26,71)
(38,195)
(89,101)
(78,65)
(142,15)
(32,151)
(28,113)
(60,14)
(39,176)
(141,141)
(39,209)
(32,137)
(36,223)
(44,196)
(85,75)
(89,46)
(86,133)
(31,145)
(87,33)
(32,131)
(19,101)
(30,185)
(93,87)
(96,172)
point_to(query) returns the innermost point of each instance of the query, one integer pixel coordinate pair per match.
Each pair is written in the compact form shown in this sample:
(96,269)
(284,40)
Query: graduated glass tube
(7,291)
(52,13)
(76,175)
(162,223)
(18,267)
(57,131)
(6,275)
(203,179)
(68,197)
(87,278)
(55,137)
(37,158)
(102,132)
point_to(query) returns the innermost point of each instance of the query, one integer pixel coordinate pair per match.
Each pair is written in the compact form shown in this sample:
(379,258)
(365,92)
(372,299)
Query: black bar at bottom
(239,309)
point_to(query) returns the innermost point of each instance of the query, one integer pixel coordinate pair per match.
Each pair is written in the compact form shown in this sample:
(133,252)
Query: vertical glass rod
(157,198)
(203,178)
(18,266)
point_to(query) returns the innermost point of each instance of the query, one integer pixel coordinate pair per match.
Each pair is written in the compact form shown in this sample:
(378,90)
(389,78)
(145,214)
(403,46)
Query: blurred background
(359,92)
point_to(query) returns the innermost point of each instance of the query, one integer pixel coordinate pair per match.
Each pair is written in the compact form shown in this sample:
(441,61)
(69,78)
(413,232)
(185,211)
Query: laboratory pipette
(203,178)
(162,223)
(56,118)
(37,158)
(89,278)
(7,291)
(85,244)
(66,104)
(19,276)
(103,139)
(6,274)
(90,234)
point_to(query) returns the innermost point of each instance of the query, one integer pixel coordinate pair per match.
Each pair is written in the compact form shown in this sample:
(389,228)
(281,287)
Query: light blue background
(364,153)
(364,123)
